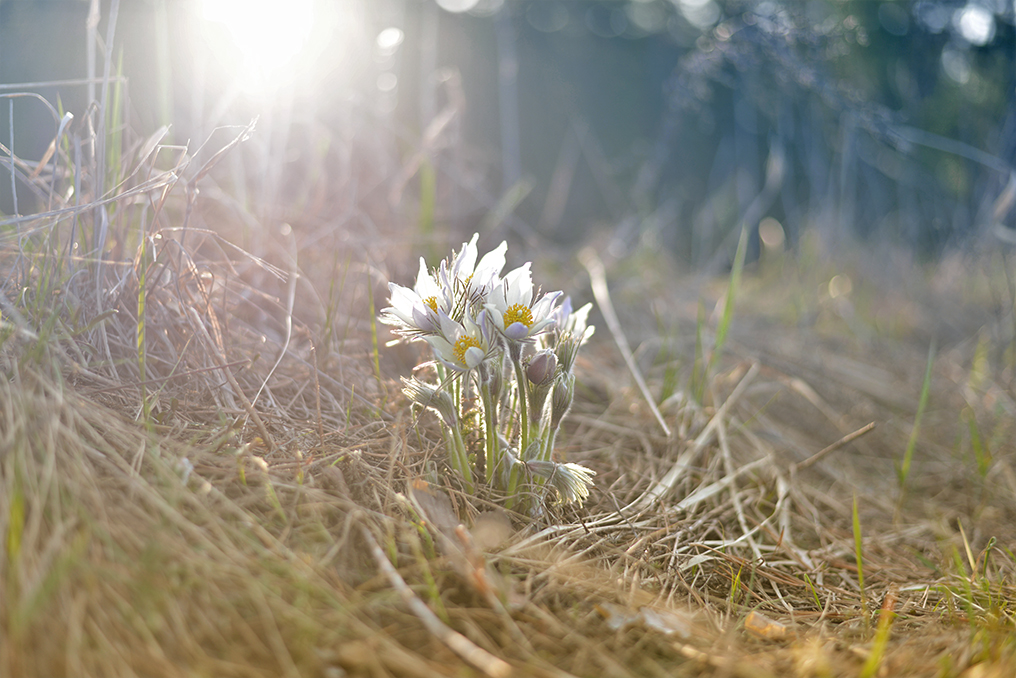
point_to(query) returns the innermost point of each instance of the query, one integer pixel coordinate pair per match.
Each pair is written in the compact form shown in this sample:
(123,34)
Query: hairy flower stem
(516,469)
(460,460)
(450,446)
(547,448)
(513,482)
(491,447)
(520,378)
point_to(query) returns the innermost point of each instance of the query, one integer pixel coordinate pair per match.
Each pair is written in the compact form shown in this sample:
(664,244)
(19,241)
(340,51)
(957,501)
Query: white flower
(570,332)
(462,345)
(512,308)
(414,312)
(468,280)
(574,322)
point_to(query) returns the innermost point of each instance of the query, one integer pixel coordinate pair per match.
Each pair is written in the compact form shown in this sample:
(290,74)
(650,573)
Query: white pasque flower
(570,332)
(464,276)
(573,322)
(414,312)
(462,346)
(513,308)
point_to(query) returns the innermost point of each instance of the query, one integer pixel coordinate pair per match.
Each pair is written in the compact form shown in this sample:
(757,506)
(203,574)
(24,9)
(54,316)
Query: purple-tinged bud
(542,367)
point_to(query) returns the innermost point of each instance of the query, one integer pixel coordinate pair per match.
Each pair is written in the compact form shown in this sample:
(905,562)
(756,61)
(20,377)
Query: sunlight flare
(269,36)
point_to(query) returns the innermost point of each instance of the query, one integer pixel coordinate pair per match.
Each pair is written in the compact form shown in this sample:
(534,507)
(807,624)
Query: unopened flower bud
(567,349)
(532,452)
(540,375)
(542,367)
(561,401)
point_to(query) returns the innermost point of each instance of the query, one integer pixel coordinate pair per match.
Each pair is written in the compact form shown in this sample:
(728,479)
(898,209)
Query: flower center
(519,313)
(463,345)
(432,302)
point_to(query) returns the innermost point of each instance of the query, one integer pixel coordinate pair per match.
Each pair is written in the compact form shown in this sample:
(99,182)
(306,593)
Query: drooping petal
(401,312)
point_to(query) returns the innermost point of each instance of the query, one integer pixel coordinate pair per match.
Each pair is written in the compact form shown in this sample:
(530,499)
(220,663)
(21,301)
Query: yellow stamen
(432,302)
(463,345)
(519,313)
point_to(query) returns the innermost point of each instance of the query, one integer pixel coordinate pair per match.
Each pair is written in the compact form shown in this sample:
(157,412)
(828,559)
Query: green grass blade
(874,661)
(728,303)
(698,369)
(904,470)
(982,456)
(142,349)
(728,311)
(859,556)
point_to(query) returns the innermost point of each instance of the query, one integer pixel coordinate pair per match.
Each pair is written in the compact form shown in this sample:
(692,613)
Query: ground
(271,505)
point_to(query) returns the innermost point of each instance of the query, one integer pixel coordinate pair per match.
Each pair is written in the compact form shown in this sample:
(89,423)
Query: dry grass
(236,497)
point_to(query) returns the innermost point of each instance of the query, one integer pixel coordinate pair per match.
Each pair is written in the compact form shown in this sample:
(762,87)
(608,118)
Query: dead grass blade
(462,646)
(821,454)
(594,266)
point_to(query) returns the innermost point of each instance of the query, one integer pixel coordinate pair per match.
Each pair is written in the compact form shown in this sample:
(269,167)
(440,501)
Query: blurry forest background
(668,120)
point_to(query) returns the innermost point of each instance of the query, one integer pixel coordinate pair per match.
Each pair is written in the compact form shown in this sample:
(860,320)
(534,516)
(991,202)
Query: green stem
(491,448)
(520,390)
(520,378)
(513,484)
(461,460)
(548,444)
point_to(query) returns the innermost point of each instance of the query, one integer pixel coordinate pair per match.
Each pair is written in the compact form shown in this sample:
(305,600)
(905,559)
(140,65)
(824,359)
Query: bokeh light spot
(956,65)
(840,286)
(457,6)
(771,233)
(389,39)
(976,24)
(702,14)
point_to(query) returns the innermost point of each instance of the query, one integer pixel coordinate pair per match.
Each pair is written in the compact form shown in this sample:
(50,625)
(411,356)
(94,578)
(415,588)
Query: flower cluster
(498,341)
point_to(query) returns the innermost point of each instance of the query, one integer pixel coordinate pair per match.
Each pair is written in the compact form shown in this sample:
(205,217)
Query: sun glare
(269,35)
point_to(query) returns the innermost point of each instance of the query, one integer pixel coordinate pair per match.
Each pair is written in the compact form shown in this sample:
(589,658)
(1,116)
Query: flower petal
(516,331)
(474,355)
